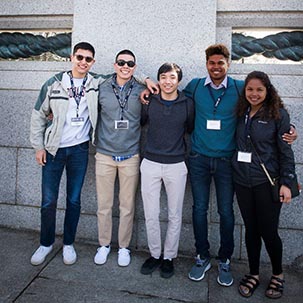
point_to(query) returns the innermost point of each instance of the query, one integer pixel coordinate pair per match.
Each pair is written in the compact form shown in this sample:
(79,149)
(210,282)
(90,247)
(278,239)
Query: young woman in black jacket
(262,122)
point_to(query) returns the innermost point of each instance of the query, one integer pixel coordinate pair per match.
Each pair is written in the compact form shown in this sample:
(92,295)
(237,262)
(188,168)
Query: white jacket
(53,98)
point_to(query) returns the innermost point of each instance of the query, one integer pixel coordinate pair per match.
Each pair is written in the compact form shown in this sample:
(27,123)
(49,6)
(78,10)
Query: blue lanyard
(219,99)
(123,103)
(73,91)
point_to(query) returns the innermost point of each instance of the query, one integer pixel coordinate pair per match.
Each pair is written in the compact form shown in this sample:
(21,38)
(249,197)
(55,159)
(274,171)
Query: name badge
(77,121)
(213,124)
(121,124)
(244,157)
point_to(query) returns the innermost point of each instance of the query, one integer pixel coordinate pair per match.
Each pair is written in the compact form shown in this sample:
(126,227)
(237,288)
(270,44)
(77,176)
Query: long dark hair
(272,102)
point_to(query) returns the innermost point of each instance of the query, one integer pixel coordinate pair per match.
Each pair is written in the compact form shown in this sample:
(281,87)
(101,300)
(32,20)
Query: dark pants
(261,218)
(74,159)
(202,169)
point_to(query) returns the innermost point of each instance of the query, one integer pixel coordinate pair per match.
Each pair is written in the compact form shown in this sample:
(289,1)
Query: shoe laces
(102,248)
(200,262)
(225,266)
(123,252)
(41,249)
(68,249)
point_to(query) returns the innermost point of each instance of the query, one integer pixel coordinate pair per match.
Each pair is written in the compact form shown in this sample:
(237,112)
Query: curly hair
(272,102)
(217,49)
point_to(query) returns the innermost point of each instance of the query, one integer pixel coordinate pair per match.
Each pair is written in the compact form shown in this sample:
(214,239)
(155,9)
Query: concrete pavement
(86,282)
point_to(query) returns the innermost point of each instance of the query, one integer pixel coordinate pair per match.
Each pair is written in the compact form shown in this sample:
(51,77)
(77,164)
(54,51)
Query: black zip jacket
(276,154)
(167,126)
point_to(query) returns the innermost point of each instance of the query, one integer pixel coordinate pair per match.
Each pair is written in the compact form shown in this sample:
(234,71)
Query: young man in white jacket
(71,99)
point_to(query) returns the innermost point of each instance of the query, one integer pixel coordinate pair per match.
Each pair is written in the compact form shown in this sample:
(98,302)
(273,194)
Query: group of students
(232,123)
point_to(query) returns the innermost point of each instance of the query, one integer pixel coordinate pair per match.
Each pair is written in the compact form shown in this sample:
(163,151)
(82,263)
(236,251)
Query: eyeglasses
(123,62)
(87,59)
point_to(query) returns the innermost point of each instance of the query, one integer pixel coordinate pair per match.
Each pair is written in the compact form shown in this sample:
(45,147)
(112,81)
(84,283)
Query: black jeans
(261,218)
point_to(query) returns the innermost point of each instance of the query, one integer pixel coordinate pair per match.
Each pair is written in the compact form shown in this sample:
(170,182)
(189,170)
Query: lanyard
(216,102)
(123,103)
(248,121)
(74,91)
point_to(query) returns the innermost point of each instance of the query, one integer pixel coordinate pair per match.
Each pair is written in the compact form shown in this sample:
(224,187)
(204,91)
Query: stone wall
(161,31)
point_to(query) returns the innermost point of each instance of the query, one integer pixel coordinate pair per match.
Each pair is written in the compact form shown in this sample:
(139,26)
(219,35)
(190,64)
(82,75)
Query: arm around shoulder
(286,155)
(191,87)
(190,115)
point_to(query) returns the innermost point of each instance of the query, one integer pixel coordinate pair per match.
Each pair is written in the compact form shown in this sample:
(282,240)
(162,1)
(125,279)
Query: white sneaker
(123,257)
(101,255)
(40,254)
(69,254)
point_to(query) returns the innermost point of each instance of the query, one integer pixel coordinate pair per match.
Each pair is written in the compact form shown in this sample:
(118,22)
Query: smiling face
(217,66)
(124,72)
(81,67)
(168,83)
(255,93)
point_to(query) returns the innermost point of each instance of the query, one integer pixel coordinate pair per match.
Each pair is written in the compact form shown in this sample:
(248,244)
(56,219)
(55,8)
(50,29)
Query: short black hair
(167,67)
(84,45)
(125,52)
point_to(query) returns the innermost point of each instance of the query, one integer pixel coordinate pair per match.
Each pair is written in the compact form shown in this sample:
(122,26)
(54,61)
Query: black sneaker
(167,269)
(150,265)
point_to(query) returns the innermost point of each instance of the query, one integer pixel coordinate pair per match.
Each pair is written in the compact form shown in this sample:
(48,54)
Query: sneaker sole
(165,275)
(124,265)
(208,267)
(37,263)
(224,284)
(100,263)
(149,271)
(69,262)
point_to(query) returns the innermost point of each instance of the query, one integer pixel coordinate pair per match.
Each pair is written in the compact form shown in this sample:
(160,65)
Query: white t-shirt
(74,135)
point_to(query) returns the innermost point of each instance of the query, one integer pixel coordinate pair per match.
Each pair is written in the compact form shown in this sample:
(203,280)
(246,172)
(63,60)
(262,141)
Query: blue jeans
(202,169)
(74,159)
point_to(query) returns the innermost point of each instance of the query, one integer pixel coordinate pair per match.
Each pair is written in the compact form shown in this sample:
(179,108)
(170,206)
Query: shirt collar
(208,81)
(121,88)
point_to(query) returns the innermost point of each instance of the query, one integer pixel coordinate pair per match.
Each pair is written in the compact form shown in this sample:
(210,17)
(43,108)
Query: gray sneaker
(198,271)
(225,278)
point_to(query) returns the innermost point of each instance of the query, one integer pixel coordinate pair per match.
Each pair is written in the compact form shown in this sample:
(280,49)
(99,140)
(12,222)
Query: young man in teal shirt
(213,144)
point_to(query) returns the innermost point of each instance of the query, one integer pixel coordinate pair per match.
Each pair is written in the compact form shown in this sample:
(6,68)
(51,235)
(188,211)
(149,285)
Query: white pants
(174,178)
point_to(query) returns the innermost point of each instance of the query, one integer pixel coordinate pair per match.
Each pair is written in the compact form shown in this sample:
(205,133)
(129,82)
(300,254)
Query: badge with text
(77,121)
(244,157)
(121,124)
(213,124)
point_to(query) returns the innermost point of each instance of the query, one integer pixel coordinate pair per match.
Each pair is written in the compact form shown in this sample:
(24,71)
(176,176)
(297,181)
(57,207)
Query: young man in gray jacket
(117,146)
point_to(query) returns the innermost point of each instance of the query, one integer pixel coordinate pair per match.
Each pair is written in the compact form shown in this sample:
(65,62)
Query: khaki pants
(128,173)
(174,178)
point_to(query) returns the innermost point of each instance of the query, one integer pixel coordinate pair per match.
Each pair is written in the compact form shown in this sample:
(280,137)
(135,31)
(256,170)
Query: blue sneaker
(225,278)
(198,271)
